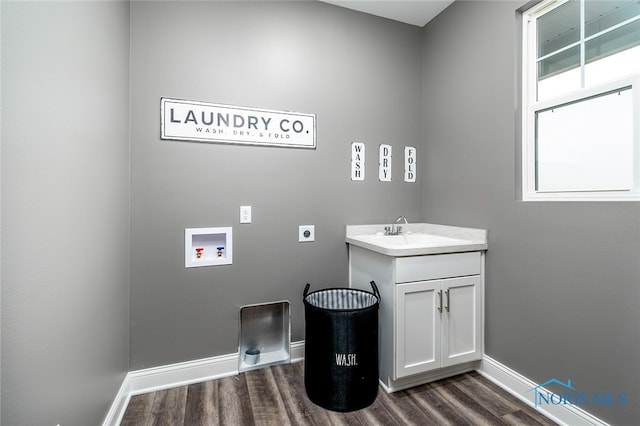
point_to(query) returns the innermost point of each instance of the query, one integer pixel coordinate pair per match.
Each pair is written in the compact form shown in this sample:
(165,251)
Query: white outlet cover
(311,229)
(245,214)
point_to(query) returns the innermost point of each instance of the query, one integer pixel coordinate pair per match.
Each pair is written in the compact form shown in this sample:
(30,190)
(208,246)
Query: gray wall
(562,278)
(65,210)
(359,74)
(563,293)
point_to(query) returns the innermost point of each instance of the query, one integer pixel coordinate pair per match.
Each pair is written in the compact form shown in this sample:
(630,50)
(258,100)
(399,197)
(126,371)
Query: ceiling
(414,12)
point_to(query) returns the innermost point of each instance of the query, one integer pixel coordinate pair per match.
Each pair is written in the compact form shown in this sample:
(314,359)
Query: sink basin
(417,239)
(411,240)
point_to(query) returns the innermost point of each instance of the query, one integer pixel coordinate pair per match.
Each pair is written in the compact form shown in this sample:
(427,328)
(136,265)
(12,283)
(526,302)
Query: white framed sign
(357,161)
(384,168)
(195,121)
(410,157)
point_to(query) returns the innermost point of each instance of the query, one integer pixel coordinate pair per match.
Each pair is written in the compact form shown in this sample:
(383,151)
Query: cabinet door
(461,320)
(417,328)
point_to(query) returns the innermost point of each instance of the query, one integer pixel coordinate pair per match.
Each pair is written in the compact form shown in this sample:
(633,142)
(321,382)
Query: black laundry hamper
(341,347)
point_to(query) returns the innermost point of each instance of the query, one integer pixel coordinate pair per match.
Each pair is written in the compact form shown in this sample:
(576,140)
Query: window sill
(583,196)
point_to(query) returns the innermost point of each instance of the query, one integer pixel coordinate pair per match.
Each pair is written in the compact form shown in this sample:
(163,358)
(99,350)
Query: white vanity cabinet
(431,312)
(437,324)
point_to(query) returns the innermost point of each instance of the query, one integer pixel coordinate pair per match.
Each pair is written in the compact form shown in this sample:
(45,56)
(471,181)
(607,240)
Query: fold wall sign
(216,123)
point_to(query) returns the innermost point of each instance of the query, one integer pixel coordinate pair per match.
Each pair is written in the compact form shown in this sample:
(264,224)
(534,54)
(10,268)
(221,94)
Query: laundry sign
(217,123)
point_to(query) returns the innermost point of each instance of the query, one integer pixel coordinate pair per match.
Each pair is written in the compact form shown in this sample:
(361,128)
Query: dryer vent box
(265,335)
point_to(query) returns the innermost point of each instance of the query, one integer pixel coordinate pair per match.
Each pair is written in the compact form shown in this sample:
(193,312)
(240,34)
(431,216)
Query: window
(581,100)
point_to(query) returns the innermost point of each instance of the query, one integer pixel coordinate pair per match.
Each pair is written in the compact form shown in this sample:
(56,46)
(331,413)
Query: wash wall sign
(184,120)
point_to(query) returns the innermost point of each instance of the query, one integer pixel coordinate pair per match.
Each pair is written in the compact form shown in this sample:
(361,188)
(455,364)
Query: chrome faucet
(394,229)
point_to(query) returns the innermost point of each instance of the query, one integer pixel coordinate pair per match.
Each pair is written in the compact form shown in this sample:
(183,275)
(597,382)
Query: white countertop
(447,239)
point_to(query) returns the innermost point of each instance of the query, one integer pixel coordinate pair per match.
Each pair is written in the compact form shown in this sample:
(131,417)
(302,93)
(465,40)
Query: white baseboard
(185,373)
(520,387)
(180,374)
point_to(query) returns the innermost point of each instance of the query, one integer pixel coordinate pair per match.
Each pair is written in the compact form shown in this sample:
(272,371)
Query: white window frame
(530,106)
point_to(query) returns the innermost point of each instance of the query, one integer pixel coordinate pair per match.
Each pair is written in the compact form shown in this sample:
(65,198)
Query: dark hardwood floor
(276,396)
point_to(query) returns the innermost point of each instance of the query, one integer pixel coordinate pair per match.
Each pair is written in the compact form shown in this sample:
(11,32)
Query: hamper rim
(355,290)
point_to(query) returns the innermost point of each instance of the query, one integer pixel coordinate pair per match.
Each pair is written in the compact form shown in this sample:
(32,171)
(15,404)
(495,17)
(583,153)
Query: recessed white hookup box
(208,247)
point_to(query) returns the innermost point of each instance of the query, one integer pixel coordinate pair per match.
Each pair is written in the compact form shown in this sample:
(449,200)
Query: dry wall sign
(384,168)
(206,122)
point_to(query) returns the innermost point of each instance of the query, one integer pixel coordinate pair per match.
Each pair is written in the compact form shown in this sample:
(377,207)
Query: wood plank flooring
(276,396)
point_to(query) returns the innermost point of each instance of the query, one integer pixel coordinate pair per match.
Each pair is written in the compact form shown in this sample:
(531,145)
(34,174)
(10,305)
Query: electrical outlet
(245,214)
(306,233)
